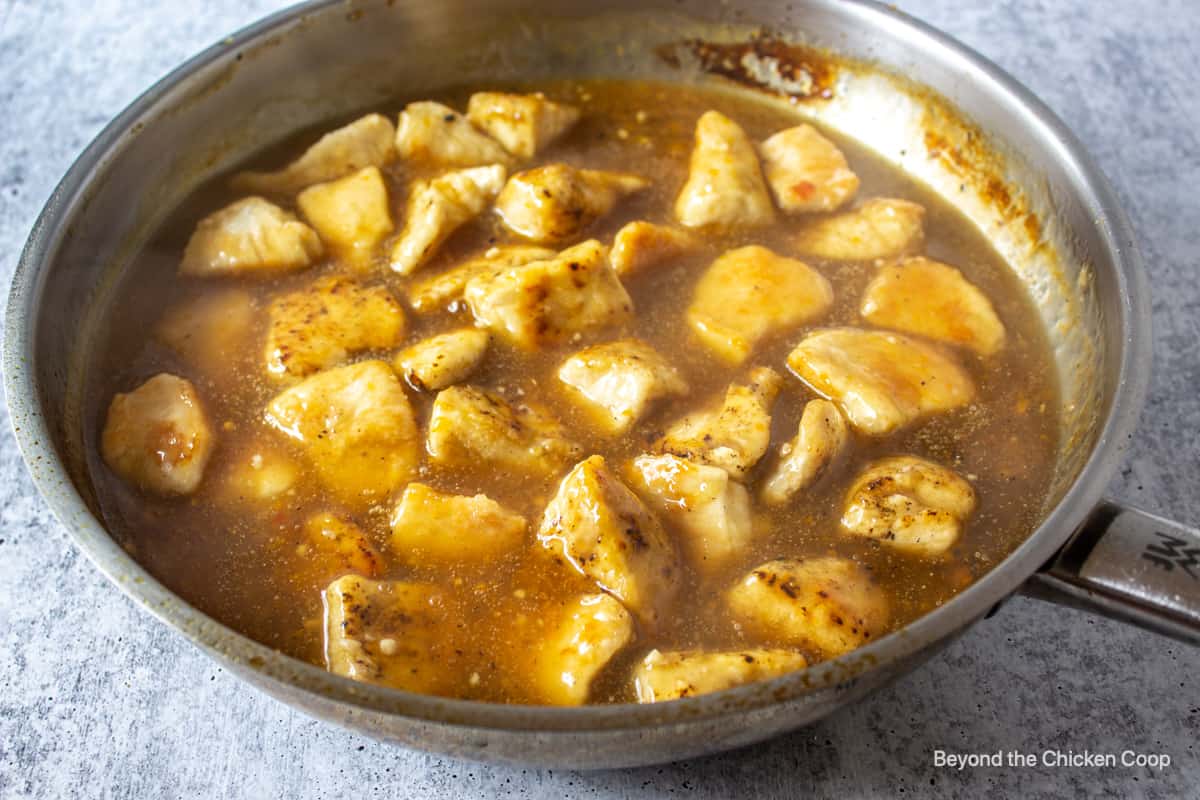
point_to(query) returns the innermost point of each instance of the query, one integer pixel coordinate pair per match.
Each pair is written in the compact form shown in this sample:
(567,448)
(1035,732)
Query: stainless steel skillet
(938,111)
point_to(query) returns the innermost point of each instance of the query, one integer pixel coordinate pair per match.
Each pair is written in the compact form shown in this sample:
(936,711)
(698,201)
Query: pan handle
(1128,565)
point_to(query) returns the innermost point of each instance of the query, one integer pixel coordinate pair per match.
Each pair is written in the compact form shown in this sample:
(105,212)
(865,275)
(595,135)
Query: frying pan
(924,103)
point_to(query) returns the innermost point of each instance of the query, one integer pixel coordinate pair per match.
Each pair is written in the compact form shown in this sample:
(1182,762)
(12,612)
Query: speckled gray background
(96,699)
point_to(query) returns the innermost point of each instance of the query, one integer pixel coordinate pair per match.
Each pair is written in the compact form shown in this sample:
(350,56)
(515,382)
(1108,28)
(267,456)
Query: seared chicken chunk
(823,435)
(620,380)
(334,546)
(557,202)
(157,437)
(932,299)
(909,503)
(672,675)
(829,603)
(602,529)
(474,426)
(356,427)
(546,302)
(389,632)
(351,214)
(432,134)
(806,171)
(707,505)
(434,294)
(881,381)
(593,630)
(641,245)
(324,324)
(442,360)
(523,123)
(210,331)
(437,208)
(725,183)
(259,475)
(429,527)
(751,293)
(879,228)
(733,437)
(249,238)
(367,142)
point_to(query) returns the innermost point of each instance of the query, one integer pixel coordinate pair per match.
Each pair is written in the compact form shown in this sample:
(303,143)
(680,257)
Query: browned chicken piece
(367,142)
(619,380)
(602,529)
(594,628)
(443,360)
(879,228)
(326,323)
(433,527)
(434,135)
(438,207)
(725,185)
(557,202)
(910,504)
(750,294)
(249,238)
(676,674)
(356,427)
(830,604)
(806,171)
(475,426)
(822,437)
(333,545)
(881,381)
(932,299)
(547,302)
(157,437)
(641,245)
(439,291)
(351,214)
(523,123)
(736,435)
(210,332)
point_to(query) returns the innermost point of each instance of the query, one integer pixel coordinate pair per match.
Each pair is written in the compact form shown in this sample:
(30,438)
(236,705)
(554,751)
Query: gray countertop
(97,699)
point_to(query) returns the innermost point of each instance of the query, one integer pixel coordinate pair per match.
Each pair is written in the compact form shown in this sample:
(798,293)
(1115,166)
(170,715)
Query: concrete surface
(97,700)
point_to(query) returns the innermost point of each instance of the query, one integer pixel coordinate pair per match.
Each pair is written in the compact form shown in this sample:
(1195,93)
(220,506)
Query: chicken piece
(389,632)
(474,426)
(750,294)
(641,245)
(831,604)
(439,207)
(594,628)
(209,331)
(557,202)
(909,503)
(602,529)
(350,214)
(157,437)
(249,238)
(725,183)
(259,475)
(436,293)
(326,323)
(822,436)
(335,546)
(432,134)
(356,427)
(879,228)
(733,437)
(674,675)
(523,123)
(367,142)
(431,527)
(708,506)
(443,360)
(932,299)
(806,171)
(620,380)
(546,302)
(881,381)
